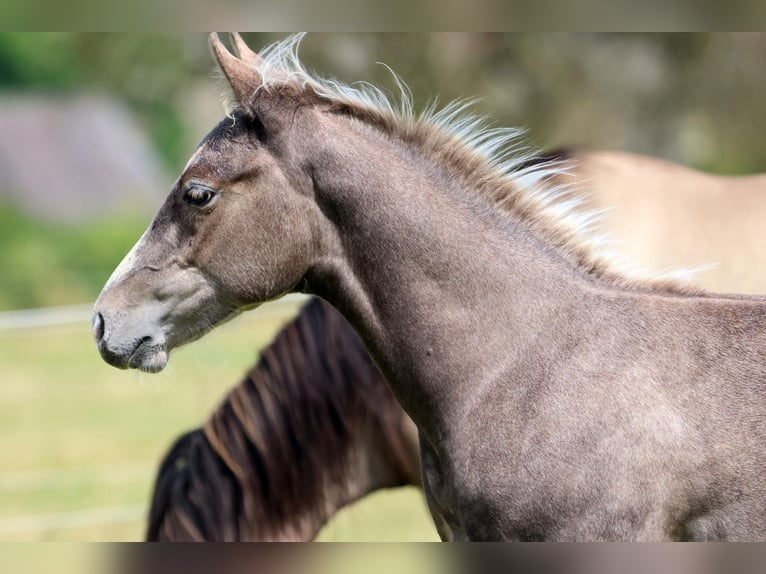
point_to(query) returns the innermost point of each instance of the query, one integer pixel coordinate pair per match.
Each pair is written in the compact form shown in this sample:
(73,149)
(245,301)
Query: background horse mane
(311,428)
(519,183)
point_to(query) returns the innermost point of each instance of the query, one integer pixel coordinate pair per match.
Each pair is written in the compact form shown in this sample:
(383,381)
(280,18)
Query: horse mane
(517,181)
(195,498)
(268,458)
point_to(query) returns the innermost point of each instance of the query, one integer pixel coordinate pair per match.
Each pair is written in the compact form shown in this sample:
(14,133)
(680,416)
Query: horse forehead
(195,157)
(203,164)
(215,162)
(218,144)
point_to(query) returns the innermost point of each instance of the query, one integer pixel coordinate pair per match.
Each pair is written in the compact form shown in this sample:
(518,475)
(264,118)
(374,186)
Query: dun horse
(555,398)
(312,428)
(667,216)
(197,494)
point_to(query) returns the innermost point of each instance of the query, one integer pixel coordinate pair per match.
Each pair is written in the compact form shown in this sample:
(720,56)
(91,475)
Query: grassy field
(81,440)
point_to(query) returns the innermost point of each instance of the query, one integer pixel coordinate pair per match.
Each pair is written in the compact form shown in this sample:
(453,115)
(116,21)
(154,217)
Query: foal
(311,429)
(555,397)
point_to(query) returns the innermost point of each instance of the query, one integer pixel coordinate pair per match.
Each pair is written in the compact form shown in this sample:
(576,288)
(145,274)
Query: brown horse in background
(667,216)
(312,428)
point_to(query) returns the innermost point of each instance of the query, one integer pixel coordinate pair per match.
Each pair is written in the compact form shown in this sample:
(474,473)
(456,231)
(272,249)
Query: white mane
(542,187)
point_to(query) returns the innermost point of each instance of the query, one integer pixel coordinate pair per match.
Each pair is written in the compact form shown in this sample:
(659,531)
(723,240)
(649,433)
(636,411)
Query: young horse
(667,216)
(555,398)
(312,428)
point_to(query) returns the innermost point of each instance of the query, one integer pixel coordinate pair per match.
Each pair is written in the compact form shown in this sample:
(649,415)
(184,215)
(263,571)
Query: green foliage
(54,264)
(40,61)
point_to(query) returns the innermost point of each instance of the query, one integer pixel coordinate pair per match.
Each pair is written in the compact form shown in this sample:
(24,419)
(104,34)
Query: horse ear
(244,52)
(243,78)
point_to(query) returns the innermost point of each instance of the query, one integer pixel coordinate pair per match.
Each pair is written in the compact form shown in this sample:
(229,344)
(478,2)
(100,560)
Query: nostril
(98,327)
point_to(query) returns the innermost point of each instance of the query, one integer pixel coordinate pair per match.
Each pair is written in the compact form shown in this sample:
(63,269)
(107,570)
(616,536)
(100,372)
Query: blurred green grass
(81,440)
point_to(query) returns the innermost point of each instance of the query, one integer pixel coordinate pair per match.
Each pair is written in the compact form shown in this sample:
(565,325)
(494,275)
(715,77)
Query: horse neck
(439,285)
(305,452)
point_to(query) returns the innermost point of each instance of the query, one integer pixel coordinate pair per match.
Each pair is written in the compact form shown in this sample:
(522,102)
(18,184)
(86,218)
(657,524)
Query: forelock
(229,128)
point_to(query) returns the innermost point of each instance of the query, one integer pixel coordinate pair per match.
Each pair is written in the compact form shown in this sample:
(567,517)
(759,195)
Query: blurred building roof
(72,157)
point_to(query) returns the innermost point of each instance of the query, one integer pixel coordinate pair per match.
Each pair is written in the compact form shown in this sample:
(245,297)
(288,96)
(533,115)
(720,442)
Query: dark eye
(198,196)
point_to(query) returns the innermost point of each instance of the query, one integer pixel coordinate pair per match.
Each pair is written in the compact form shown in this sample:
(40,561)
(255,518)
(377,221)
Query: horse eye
(198,196)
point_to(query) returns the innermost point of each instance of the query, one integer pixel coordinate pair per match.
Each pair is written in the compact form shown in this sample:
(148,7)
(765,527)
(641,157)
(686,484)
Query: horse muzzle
(124,349)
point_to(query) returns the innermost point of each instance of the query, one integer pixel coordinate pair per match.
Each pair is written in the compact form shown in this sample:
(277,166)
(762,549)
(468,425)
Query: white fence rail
(45,317)
(74,314)
(37,523)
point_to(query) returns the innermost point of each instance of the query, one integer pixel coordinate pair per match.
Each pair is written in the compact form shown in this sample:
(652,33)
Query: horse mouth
(148,357)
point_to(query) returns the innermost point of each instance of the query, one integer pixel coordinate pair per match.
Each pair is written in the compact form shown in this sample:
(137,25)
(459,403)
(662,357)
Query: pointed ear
(243,79)
(244,52)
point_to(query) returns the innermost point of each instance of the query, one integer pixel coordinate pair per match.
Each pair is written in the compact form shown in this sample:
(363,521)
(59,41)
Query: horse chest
(462,505)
